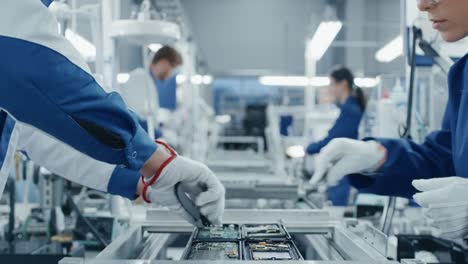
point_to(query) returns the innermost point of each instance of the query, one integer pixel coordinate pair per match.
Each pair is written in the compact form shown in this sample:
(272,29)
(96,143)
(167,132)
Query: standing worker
(438,167)
(352,103)
(46,83)
(154,88)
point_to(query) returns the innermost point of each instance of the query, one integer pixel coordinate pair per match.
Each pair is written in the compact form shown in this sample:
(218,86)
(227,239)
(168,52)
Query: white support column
(110,63)
(310,92)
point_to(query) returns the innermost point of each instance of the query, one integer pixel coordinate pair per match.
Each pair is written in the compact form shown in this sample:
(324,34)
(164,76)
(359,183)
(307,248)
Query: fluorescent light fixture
(155,47)
(390,51)
(84,46)
(323,38)
(284,80)
(180,78)
(123,78)
(295,151)
(196,79)
(294,81)
(319,81)
(223,119)
(207,79)
(366,82)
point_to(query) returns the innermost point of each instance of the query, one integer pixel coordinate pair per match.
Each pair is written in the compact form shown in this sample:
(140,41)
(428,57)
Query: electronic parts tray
(271,250)
(213,251)
(226,232)
(264,231)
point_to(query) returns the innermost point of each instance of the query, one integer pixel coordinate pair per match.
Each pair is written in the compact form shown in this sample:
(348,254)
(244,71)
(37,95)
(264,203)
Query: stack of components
(246,242)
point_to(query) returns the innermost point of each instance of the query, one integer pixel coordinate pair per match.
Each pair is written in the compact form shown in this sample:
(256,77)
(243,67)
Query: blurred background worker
(404,166)
(352,103)
(146,92)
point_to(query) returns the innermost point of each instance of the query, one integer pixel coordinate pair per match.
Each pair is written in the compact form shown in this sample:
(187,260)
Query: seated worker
(438,167)
(352,103)
(96,140)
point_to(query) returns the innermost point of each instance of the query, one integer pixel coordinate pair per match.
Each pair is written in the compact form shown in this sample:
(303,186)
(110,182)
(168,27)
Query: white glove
(445,204)
(344,156)
(309,163)
(197,180)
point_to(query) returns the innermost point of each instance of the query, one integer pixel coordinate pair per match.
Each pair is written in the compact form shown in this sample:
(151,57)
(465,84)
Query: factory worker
(141,91)
(352,103)
(46,84)
(162,68)
(407,167)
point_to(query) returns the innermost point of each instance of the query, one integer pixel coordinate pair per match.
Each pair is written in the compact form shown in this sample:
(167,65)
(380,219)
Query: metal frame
(335,240)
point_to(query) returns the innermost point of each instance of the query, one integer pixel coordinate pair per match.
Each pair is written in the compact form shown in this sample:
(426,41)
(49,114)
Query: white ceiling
(268,36)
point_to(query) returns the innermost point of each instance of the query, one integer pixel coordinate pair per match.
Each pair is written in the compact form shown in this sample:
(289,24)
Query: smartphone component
(213,251)
(271,250)
(222,232)
(264,231)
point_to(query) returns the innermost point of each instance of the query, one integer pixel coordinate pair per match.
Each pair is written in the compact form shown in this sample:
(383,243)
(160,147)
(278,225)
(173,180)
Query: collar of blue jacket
(47,2)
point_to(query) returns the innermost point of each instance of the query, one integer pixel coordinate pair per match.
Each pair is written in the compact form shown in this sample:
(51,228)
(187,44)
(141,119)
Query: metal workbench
(324,238)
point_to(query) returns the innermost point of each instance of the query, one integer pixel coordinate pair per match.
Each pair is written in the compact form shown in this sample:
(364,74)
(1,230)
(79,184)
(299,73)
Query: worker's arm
(73,165)
(46,83)
(345,126)
(407,161)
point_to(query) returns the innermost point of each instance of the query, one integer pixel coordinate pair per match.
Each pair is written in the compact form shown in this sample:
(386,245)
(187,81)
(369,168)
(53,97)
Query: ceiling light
(223,119)
(390,51)
(284,80)
(84,46)
(319,81)
(294,81)
(123,78)
(155,47)
(196,79)
(323,38)
(295,151)
(207,79)
(180,79)
(366,82)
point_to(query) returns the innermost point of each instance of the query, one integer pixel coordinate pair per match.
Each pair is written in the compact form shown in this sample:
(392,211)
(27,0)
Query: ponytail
(360,97)
(341,73)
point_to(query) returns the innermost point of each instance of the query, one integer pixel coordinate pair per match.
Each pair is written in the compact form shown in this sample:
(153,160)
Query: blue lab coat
(443,153)
(346,126)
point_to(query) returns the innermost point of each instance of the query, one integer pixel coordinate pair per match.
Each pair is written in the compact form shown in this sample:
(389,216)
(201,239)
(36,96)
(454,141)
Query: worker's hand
(445,204)
(344,156)
(309,164)
(196,179)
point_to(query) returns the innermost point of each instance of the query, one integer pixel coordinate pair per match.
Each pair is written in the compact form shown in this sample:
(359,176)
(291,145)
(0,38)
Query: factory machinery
(250,236)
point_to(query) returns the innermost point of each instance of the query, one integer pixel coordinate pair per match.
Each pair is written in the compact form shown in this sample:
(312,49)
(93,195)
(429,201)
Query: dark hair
(168,53)
(341,73)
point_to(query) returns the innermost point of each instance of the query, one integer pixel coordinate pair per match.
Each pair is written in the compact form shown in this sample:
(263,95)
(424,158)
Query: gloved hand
(343,156)
(445,204)
(197,180)
(309,164)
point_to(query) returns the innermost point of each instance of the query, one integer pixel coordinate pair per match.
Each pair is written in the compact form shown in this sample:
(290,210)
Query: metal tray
(263,250)
(282,233)
(213,250)
(229,232)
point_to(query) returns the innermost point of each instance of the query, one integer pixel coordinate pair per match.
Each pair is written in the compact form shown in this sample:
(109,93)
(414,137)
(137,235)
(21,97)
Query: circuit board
(214,251)
(264,231)
(223,232)
(271,250)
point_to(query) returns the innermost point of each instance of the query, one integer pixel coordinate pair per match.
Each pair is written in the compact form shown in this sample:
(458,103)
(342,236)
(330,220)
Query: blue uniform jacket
(46,83)
(346,126)
(443,153)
